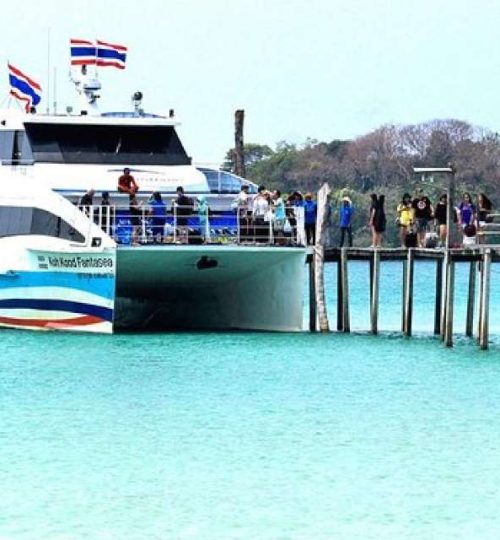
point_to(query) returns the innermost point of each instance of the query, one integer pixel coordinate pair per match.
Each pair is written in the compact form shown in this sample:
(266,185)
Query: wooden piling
(485,300)
(444,271)
(312,298)
(319,257)
(403,296)
(239,154)
(471,297)
(374,290)
(340,300)
(408,305)
(438,305)
(346,324)
(449,296)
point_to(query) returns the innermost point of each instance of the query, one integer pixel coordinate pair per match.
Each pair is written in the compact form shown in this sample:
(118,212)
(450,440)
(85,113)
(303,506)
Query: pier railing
(142,225)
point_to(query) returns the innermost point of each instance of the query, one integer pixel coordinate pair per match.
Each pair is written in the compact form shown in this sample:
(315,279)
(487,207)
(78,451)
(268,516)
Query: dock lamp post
(450,173)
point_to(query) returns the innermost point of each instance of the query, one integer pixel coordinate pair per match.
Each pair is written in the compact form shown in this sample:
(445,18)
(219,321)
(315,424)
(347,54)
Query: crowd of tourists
(424,224)
(269,216)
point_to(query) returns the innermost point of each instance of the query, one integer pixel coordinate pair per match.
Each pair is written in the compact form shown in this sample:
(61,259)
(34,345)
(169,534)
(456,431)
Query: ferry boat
(50,161)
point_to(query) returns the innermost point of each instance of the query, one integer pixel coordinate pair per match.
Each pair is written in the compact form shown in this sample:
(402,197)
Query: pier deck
(479,257)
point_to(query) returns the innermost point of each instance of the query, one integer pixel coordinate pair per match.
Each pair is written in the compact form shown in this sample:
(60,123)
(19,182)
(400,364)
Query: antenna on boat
(88,87)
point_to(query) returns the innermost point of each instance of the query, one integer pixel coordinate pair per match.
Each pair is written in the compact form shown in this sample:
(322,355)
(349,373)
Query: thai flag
(83,52)
(111,55)
(24,88)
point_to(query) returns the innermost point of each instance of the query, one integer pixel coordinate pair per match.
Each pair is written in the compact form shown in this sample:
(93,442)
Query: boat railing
(143,225)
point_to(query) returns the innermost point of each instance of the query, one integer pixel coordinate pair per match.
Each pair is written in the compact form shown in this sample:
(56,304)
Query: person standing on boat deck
(135,211)
(279,215)
(87,201)
(310,212)
(106,213)
(259,213)
(127,183)
(159,211)
(243,203)
(423,215)
(345,215)
(203,215)
(182,207)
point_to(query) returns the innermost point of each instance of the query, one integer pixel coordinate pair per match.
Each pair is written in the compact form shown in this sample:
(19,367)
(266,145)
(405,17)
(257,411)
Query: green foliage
(382,161)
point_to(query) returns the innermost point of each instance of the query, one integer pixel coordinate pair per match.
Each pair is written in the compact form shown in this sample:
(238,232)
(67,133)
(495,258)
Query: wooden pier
(480,259)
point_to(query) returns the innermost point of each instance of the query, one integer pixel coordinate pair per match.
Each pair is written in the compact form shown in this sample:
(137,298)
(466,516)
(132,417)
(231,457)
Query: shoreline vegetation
(381,161)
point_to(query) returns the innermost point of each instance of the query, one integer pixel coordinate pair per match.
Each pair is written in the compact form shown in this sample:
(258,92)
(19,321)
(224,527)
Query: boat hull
(59,291)
(209,287)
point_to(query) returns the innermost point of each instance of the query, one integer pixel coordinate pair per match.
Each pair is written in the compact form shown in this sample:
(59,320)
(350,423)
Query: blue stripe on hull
(101,286)
(46,304)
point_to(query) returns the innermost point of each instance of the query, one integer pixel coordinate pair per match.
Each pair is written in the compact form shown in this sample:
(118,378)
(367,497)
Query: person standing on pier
(377,219)
(423,215)
(345,216)
(310,212)
(406,218)
(441,219)
(484,208)
(467,211)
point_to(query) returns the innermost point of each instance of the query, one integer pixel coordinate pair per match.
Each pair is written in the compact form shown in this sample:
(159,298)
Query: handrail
(144,224)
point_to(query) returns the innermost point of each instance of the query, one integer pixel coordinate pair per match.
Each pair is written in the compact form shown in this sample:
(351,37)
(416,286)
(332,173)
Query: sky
(320,69)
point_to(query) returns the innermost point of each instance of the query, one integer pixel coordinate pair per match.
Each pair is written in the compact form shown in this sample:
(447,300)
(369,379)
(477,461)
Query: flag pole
(48,71)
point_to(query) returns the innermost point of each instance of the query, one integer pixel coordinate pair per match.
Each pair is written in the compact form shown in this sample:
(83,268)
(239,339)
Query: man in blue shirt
(345,214)
(310,211)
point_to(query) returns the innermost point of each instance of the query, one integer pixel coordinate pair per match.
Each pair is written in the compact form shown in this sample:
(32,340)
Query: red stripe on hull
(55,323)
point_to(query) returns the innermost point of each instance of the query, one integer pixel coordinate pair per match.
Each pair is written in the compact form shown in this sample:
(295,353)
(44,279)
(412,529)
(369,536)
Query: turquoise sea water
(253,435)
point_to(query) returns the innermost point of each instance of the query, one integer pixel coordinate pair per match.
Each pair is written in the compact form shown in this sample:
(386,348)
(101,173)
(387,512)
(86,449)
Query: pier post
(449,297)
(485,300)
(374,290)
(403,296)
(471,296)
(340,300)
(319,258)
(346,324)
(444,292)
(408,306)
(312,297)
(439,297)
(239,154)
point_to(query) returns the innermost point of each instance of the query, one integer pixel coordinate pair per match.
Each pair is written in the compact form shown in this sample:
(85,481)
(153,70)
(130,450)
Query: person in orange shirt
(127,183)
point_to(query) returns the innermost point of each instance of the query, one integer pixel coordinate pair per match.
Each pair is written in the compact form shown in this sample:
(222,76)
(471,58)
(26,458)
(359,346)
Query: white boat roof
(15,119)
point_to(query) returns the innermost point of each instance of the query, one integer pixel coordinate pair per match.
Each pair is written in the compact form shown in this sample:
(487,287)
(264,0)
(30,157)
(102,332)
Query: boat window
(22,221)
(15,148)
(130,145)
(225,182)
(6,146)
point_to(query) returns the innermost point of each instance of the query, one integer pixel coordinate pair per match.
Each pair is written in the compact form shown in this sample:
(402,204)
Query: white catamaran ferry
(97,268)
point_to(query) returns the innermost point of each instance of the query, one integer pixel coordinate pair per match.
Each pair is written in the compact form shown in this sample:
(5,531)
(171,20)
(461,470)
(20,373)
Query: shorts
(422,224)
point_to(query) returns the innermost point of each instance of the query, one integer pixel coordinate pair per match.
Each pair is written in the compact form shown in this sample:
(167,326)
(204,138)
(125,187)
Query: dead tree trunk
(239,154)
(319,255)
